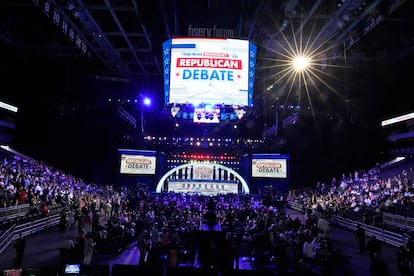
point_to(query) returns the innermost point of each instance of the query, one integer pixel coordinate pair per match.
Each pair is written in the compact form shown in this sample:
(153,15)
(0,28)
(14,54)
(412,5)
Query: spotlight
(147,101)
(300,63)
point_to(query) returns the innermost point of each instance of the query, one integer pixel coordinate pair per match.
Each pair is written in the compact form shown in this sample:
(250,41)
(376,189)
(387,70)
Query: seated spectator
(44,209)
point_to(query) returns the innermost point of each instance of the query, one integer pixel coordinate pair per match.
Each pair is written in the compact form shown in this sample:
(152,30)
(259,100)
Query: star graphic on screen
(177,74)
(166,51)
(239,76)
(252,55)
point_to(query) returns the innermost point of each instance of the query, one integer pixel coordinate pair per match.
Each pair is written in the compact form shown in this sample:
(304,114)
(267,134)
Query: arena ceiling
(71,56)
(122,40)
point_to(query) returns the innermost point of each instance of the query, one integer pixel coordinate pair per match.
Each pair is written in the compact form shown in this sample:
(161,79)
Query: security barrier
(26,229)
(386,236)
(398,221)
(14,211)
(383,235)
(296,206)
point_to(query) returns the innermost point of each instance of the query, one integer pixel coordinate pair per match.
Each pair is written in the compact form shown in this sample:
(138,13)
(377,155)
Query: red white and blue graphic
(207,70)
(270,165)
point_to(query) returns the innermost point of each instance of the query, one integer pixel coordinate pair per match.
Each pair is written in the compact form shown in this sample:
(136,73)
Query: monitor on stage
(269,165)
(140,162)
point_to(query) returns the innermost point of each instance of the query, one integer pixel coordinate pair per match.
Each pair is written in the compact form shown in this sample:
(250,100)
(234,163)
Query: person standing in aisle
(403,261)
(88,249)
(360,237)
(374,247)
(19,245)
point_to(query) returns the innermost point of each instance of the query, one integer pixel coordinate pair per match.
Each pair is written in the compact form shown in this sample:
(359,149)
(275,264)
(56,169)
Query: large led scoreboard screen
(270,165)
(137,161)
(209,70)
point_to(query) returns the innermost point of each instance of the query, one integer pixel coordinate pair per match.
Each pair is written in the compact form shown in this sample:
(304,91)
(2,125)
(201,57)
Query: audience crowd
(166,226)
(360,192)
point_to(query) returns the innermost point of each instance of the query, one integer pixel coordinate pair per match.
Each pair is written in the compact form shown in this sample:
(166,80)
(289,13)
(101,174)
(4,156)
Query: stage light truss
(207,112)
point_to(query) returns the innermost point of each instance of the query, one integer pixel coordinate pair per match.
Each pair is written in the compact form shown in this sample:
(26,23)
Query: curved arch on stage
(243,182)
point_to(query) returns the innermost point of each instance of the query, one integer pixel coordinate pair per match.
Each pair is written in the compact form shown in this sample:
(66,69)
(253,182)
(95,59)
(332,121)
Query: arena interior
(238,137)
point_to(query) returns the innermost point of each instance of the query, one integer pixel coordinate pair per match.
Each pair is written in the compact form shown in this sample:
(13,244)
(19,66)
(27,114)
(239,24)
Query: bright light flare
(147,101)
(300,63)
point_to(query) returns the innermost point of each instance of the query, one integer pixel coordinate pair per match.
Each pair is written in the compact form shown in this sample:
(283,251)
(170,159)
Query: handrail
(14,211)
(296,206)
(402,222)
(385,236)
(26,229)
(35,226)
(6,238)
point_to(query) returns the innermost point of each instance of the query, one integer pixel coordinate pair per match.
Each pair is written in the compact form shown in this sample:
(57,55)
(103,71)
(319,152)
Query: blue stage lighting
(147,101)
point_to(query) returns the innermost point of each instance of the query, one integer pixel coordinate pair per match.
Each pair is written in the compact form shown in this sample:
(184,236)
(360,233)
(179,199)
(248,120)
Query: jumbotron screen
(270,165)
(137,161)
(209,71)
